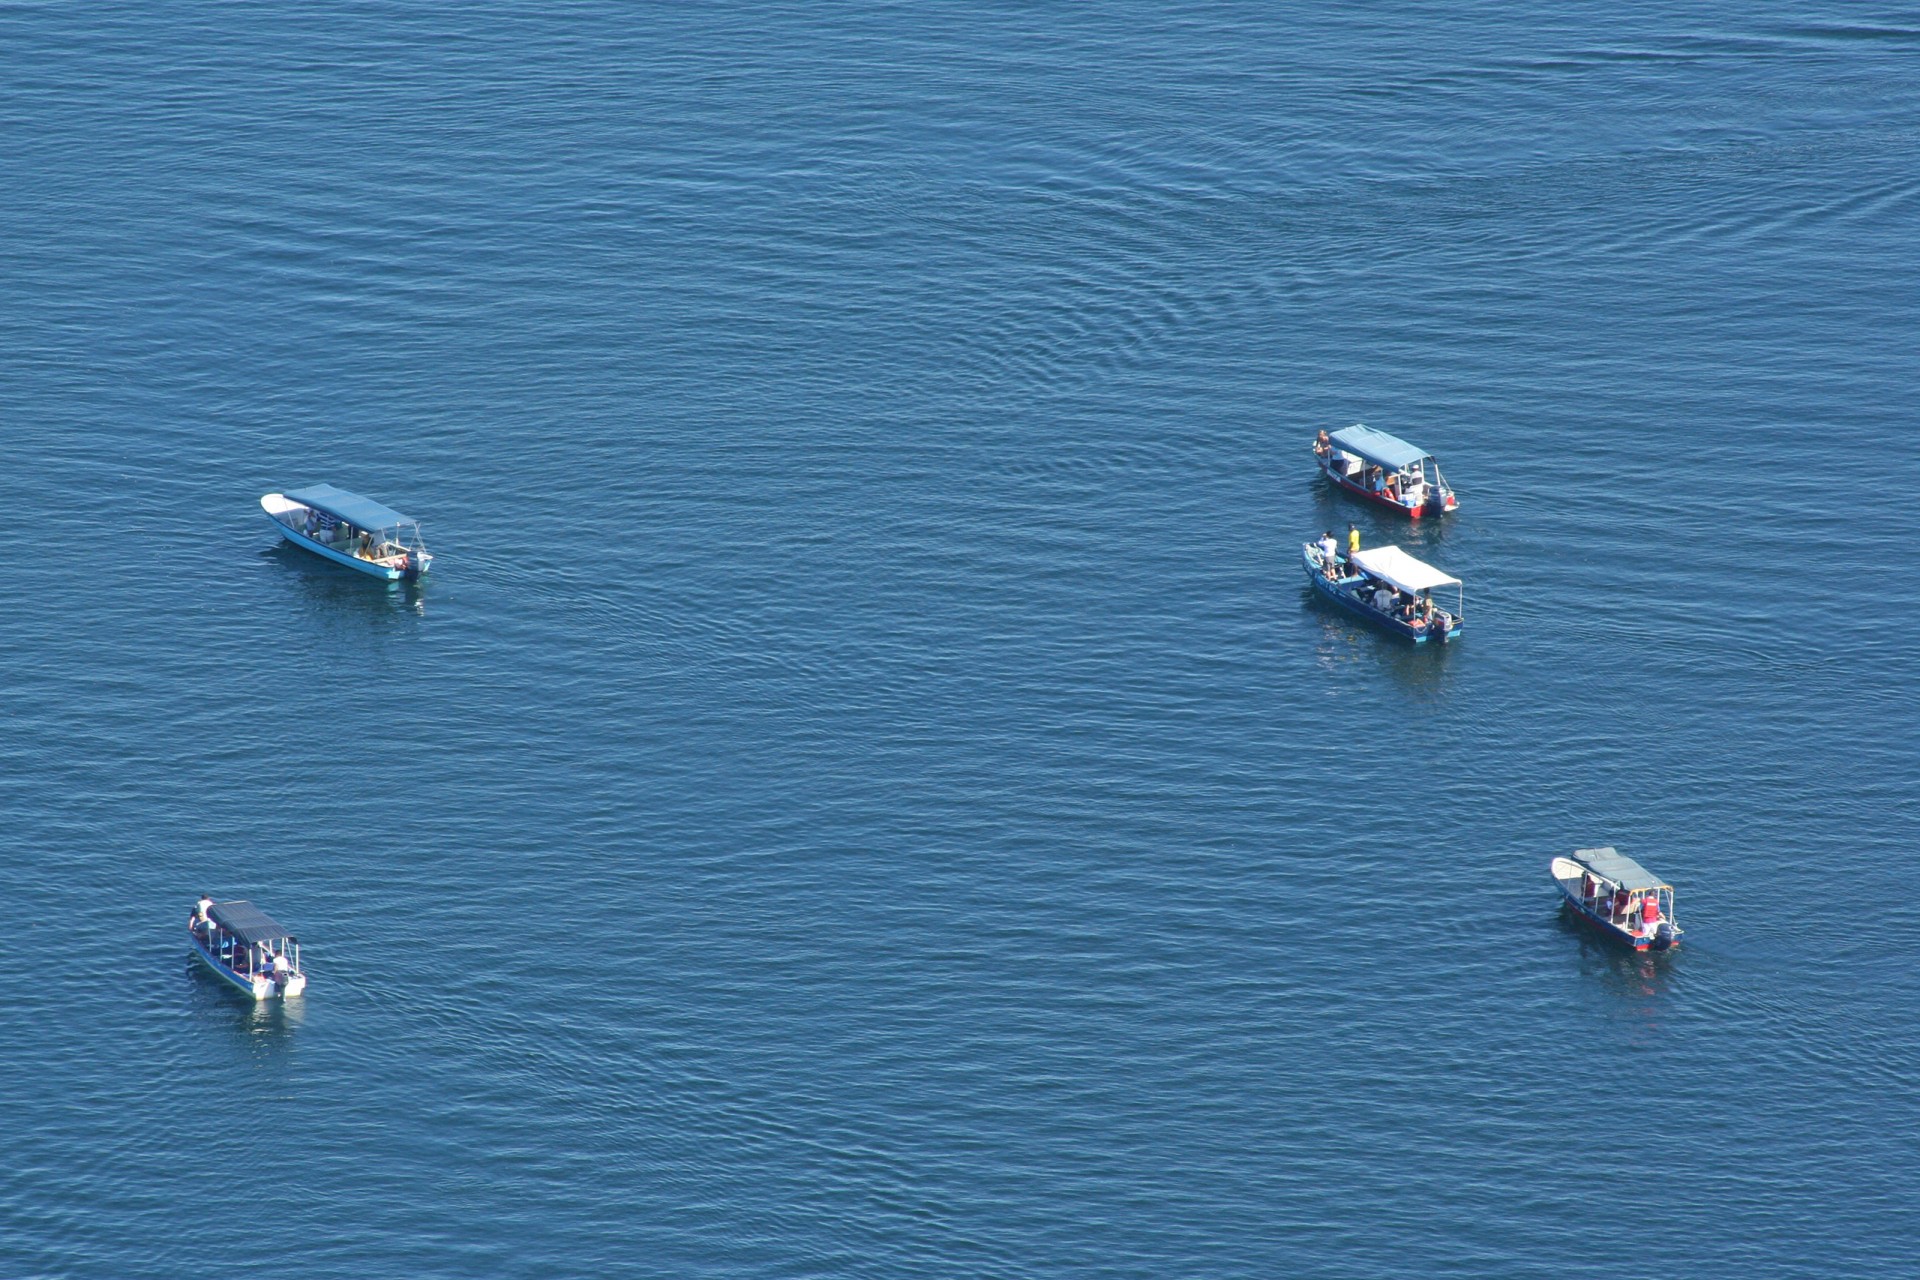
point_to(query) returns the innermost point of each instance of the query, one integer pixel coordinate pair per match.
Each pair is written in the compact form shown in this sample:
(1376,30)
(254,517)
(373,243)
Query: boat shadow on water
(1623,971)
(329,588)
(1344,640)
(264,1027)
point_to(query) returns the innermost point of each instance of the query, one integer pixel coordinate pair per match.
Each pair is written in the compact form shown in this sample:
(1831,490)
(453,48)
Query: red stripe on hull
(1412,513)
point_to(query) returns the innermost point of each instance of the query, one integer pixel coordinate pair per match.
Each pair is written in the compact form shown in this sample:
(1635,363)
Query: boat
(1384,469)
(1619,897)
(1388,588)
(248,948)
(350,530)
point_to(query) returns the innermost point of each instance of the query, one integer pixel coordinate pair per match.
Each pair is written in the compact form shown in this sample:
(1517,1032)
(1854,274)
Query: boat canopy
(1610,864)
(248,923)
(1402,570)
(1376,447)
(361,513)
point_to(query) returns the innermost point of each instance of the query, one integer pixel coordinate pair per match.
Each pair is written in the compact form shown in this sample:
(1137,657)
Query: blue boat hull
(384,572)
(238,981)
(1659,941)
(1385,621)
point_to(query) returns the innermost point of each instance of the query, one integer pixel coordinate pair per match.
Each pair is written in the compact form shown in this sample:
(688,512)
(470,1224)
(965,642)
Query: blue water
(865,790)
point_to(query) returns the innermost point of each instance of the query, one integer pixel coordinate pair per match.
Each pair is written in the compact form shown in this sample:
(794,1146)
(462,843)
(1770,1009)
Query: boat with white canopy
(350,530)
(1619,897)
(249,949)
(1384,469)
(1387,587)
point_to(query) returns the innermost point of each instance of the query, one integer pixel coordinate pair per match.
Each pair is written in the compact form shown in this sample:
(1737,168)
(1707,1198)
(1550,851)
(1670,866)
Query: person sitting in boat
(1383,598)
(1621,900)
(1391,486)
(1323,447)
(1328,550)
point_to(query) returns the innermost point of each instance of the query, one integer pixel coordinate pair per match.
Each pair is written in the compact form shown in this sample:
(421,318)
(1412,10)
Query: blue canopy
(1610,864)
(361,513)
(1376,447)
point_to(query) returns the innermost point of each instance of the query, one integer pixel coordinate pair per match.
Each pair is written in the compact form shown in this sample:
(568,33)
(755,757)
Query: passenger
(1329,550)
(1650,911)
(1620,900)
(1383,598)
(1391,487)
(1323,447)
(1353,539)
(313,521)
(200,909)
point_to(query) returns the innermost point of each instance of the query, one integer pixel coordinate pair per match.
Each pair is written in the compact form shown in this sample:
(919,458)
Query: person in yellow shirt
(1353,539)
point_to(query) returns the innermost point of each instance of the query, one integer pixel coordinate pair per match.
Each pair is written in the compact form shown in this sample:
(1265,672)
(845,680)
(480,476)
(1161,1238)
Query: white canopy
(1401,569)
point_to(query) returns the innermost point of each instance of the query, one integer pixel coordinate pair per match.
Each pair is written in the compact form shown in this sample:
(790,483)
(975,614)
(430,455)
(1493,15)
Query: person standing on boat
(1353,539)
(1650,912)
(1328,550)
(200,909)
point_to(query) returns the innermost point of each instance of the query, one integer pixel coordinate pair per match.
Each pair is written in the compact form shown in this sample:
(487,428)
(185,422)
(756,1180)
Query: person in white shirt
(1328,549)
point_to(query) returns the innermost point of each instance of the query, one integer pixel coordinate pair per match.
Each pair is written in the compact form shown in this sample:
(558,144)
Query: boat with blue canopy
(250,950)
(1384,469)
(1388,588)
(350,530)
(1616,895)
